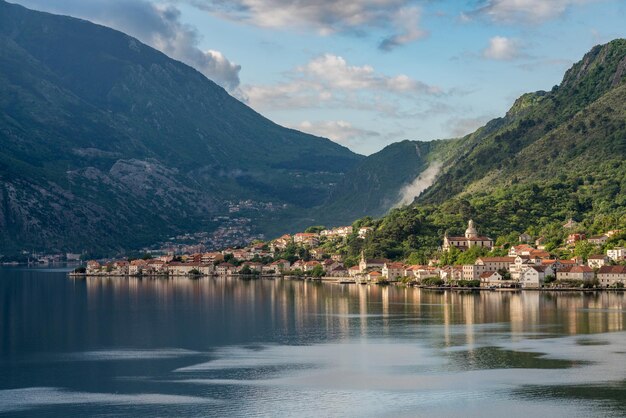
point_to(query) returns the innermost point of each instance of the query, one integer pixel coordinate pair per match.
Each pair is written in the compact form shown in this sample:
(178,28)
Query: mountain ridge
(85,109)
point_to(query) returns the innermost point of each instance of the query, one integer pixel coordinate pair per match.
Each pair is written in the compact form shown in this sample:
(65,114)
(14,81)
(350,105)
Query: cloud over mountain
(157,25)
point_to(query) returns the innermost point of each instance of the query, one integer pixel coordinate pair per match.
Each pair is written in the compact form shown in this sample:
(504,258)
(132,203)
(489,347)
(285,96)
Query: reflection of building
(471,239)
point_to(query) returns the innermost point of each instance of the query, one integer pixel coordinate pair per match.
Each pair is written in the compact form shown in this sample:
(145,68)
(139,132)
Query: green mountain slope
(375,183)
(108,143)
(555,155)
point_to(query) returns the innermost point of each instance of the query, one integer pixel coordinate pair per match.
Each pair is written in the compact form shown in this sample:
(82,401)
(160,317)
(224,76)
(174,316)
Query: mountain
(110,144)
(555,155)
(376,183)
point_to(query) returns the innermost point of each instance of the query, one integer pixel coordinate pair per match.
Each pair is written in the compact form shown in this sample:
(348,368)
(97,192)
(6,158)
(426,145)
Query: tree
(414,258)
(583,249)
(318,271)
(315,229)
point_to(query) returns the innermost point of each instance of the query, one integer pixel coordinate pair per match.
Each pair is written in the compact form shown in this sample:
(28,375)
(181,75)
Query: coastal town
(526,265)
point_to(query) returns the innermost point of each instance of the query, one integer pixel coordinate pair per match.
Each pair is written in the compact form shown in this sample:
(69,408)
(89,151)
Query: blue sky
(368,73)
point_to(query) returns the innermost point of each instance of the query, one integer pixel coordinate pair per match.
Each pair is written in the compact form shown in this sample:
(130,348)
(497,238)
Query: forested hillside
(555,155)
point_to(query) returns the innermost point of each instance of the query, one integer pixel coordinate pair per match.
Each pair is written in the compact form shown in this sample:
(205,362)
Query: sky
(368,73)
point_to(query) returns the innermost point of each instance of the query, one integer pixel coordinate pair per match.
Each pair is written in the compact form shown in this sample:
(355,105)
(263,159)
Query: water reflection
(293,348)
(297,304)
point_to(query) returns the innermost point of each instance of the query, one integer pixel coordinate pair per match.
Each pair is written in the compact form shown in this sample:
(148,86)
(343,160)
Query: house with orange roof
(491,279)
(306,239)
(392,271)
(375,276)
(610,276)
(584,273)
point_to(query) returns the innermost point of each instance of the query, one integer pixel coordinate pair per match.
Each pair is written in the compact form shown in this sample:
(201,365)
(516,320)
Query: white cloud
(398,18)
(329,80)
(157,26)
(529,10)
(408,21)
(502,48)
(339,131)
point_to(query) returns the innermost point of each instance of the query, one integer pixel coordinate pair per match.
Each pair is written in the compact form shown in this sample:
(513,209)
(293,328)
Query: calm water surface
(230,347)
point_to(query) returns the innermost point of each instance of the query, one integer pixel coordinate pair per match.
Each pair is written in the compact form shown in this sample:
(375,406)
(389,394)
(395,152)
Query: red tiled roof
(612,270)
(497,259)
(576,269)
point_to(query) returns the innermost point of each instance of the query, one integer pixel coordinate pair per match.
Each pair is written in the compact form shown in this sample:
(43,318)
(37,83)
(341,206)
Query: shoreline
(346,281)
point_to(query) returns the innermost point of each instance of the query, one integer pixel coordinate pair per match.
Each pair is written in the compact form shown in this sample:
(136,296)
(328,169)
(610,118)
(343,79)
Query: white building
(617,254)
(532,277)
(470,239)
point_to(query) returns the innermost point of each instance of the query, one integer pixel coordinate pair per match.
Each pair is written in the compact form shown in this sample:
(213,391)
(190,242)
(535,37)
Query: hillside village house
(532,277)
(298,265)
(310,265)
(451,274)
(557,265)
(521,263)
(338,271)
(617,254)
(306,239)
(491,279)
(609,276)
(280,244)
(225,269)
(392,271)
(574,238)
(339,232)
(364,230)
(184,269)
(527,250)
(367,264)
(470,239)
(317,253)
(540,243)
(483,264)
(524,238)
(93,267)
(213,257)
(136,266)
(597,261)
(584,273)
(598,239)
(330,264)
(354,271)
(522,249)
(280,265)
(156,266)
(570,224)
(420,273)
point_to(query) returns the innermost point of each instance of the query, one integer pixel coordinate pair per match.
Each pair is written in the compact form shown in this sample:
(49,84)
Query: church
(471,238)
